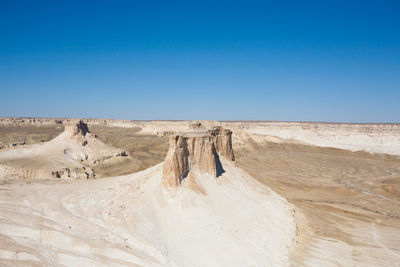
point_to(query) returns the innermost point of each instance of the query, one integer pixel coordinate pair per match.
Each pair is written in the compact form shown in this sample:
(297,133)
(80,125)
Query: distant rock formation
(10,172)
(197,150)
(195,125)
(9,121)
(90,150)
(79,128)
(76,173)
(72,154)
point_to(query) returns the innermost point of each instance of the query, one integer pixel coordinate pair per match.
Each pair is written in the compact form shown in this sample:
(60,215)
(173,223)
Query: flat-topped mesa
(79,128)
(196,150)
(222,138)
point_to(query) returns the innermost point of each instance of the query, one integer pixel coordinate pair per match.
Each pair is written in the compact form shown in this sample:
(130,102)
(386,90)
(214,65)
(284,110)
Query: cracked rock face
(197,150)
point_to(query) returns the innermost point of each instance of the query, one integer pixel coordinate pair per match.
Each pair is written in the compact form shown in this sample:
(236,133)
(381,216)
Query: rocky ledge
(197,150)
(77,128)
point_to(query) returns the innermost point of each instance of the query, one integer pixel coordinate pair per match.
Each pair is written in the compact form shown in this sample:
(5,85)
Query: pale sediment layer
(134,221)
(376,138)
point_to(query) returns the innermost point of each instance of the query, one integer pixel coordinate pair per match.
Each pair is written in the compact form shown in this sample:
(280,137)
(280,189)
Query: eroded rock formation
(195,125)
(75,173)
(222,139)
(87,148)
(73,154)
(10,172)
(79,128)
(197,150)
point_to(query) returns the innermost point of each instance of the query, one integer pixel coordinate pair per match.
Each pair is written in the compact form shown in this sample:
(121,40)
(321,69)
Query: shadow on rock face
(197,150)
(220,169)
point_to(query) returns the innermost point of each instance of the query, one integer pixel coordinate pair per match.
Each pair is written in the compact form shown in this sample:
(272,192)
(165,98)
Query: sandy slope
(347,203)
(129,220)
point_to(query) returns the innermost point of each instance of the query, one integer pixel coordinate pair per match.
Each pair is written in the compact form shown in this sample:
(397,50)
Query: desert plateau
(199,133)
(198,193)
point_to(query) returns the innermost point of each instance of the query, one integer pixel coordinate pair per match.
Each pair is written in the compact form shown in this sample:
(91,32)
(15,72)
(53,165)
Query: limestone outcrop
(84,147)
(222,139)
(72,154)
(10,172)
(79,128)
(196,150)
(195,125)
(176,165)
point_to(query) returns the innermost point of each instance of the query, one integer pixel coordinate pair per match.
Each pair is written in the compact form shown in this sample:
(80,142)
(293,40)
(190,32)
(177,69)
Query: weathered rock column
(223,142)
(78,128)
(197,150)
(176,164)
(202,155)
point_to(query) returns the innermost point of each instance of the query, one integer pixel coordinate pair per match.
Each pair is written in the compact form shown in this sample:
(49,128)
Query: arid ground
(347,203)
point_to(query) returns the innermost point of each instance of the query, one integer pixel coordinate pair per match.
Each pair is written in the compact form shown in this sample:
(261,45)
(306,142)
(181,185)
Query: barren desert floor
(349,200)
(332,207)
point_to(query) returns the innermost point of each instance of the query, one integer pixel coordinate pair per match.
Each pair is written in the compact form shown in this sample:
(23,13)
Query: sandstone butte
(196,150)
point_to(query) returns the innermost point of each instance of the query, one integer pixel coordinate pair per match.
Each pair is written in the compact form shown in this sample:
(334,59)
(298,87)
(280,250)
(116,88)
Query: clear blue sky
(222,60)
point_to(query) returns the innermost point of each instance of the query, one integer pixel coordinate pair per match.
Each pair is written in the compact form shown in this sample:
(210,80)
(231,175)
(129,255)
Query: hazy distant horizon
(330,61)
(144,120)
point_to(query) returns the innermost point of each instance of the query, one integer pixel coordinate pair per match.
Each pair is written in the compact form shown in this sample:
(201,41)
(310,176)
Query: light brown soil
(145,150)
(345,196)
(148,149)
(29,134)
